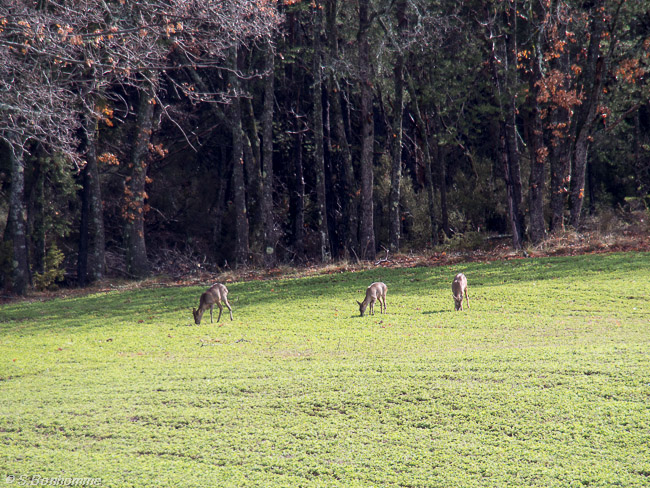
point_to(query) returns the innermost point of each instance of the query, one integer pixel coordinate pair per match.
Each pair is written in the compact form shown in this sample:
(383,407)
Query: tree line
(256,132)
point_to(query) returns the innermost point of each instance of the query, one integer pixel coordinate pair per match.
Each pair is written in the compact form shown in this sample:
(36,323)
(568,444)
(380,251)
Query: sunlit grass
(543,382)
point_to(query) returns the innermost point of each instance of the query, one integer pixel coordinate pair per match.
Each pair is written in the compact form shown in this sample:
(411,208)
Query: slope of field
(544,382)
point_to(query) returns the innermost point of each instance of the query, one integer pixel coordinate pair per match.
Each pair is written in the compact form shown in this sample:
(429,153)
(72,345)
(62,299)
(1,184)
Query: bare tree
(91,261)
(134,209)
(339,144)
(395,221)
(367,228)
(267,160)
(501,37)
(63,55)
(319,143)
(35,94)
(238,182)
(590,88)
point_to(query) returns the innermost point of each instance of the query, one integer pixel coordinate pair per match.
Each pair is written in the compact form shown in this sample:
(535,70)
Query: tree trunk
(91,261)
(441,165)
(641,169)
(84,229)
(579,168)
(426,150)
(224,168)
(137,263)
(560,149)
(35,202)
(513,182)
(513,161)
(538,156)
(536,185)
(349,199)
(505,86)
(239,184)
(560,178)
(319,148)
(395,221)
(16,230)
(253,175)
(367,230)
(590,88)
(298,197)
(267,162)
(592,190)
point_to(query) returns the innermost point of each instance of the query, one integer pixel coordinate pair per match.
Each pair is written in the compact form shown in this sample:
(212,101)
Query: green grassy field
(545,382)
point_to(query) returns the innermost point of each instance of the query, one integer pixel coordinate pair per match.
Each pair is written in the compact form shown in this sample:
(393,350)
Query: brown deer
(458,287)
(376,291)
(215,295)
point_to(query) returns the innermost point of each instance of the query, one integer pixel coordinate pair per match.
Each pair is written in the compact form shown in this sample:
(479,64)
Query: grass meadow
(544,382)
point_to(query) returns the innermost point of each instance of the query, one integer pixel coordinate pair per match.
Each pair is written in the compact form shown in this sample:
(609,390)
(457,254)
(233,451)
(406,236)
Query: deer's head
(197,316)
(362,306)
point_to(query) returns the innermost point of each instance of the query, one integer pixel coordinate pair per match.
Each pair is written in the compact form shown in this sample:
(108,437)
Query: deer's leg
(211,313)
(225,300)
(220,310)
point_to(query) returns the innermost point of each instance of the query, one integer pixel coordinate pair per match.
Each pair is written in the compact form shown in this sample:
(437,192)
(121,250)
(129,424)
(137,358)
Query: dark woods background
(236,133)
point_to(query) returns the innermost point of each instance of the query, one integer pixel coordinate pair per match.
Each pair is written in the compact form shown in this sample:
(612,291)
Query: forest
(249,133)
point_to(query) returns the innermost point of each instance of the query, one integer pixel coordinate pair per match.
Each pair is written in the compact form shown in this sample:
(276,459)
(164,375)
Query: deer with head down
(216,294)
(458,287)
(376,291)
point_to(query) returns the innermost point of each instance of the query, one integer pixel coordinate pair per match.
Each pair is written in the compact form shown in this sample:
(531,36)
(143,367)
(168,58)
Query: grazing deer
(376,291)
(458,287)
(216,294)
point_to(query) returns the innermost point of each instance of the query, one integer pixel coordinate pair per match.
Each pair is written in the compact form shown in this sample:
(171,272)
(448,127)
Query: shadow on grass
(146,305)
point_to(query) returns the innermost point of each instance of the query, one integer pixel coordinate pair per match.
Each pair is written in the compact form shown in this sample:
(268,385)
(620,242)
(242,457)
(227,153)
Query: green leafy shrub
(53,272)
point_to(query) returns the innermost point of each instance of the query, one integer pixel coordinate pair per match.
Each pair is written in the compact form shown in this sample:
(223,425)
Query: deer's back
(215,293)
(377,289)
(459,284)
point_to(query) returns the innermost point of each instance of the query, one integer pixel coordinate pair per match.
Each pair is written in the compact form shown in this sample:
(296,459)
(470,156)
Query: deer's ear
(358,302)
